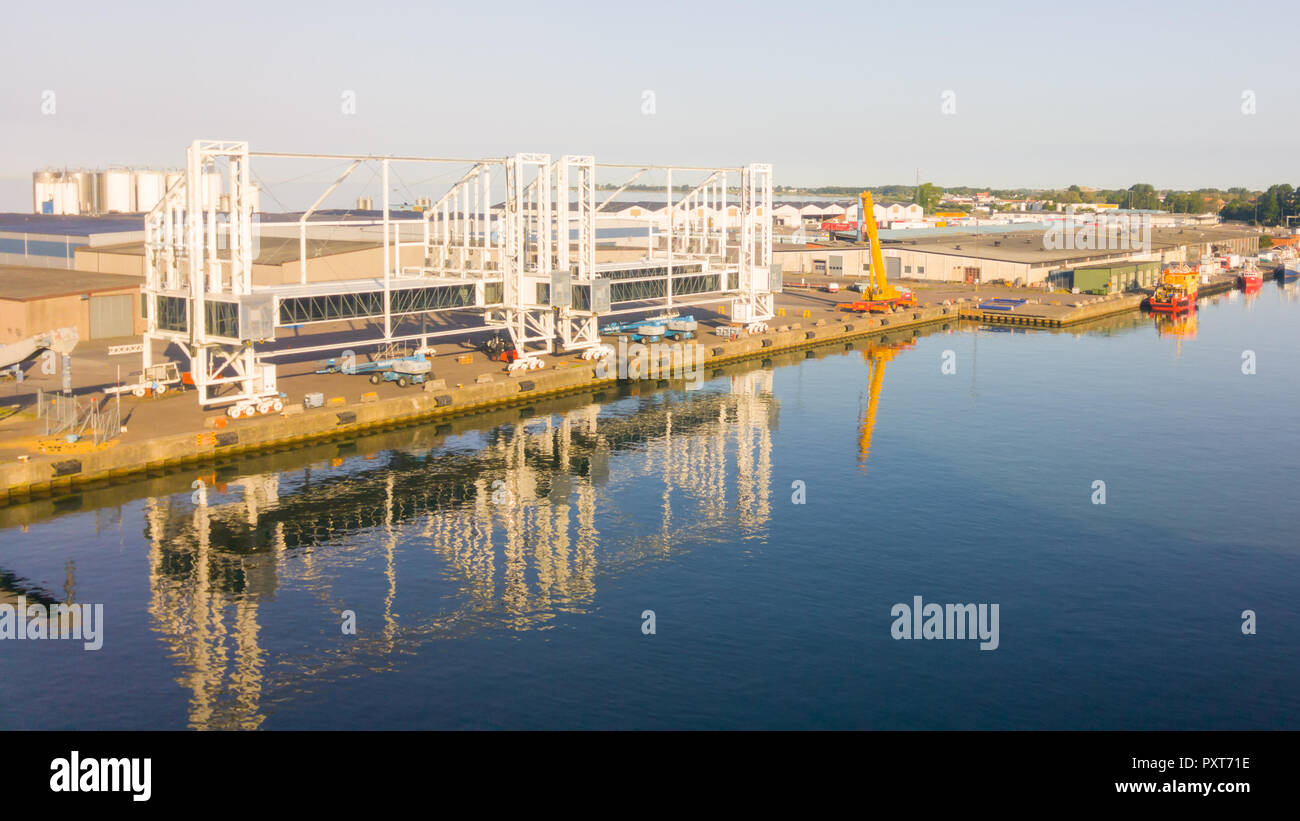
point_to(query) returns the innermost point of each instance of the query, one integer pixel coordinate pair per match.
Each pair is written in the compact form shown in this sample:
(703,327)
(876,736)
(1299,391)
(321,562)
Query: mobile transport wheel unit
(155,380)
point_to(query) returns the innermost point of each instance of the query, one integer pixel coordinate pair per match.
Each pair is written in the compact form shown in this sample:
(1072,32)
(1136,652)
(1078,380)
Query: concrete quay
(219,439)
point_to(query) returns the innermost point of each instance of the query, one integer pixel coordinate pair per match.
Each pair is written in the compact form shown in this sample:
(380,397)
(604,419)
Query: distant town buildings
(793,214)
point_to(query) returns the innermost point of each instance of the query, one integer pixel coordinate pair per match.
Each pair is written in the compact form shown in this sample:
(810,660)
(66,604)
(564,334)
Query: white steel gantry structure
(524,261)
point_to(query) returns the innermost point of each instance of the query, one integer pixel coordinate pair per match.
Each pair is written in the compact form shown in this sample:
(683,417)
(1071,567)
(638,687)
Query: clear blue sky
(1046,94)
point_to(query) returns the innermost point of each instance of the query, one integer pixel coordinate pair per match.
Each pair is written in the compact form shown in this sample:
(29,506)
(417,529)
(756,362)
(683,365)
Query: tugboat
(1176,292)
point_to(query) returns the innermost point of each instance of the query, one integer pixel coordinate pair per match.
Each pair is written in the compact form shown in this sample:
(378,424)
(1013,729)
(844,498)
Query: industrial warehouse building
(656,213)
(1107,278)
(278,260)
(357,252)
(51,241)
(1015,256)
(100,306)
(100,297)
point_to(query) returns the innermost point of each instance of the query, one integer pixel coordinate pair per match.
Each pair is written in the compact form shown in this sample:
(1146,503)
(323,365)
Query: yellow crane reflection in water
(877,354)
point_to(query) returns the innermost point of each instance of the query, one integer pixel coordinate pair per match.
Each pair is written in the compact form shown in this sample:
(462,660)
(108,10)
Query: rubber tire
(138,393)
(161,390)
(249,411)
(375,379)
(401,382)
(277,406)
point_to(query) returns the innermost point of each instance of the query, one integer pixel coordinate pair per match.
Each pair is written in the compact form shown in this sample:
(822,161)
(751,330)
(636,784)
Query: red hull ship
(1176,292)
(1171,303)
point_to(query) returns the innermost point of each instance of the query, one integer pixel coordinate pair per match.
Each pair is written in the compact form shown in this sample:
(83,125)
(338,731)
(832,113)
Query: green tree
(1142,195)
(1243,210)
(1270,206)
(927,196)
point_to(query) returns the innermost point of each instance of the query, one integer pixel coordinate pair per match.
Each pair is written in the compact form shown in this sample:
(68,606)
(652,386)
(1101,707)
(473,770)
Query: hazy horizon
(1106,95)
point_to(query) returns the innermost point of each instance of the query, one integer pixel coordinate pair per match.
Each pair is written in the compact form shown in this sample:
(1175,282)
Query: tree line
(1270,207)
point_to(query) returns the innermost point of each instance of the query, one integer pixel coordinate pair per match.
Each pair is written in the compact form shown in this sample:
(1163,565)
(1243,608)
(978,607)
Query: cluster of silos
(114,191)
(63,192)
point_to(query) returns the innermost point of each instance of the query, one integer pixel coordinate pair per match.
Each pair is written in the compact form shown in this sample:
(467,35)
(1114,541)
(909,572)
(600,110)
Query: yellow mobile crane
(879,294)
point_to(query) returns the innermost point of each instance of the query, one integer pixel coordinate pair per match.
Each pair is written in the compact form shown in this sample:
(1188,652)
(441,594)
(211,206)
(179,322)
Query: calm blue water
(526,611)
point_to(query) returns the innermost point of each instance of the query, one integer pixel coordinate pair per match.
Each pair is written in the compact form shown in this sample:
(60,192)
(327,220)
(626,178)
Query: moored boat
(1176,292)
(1288,267)
(1169,299)
(1251,280)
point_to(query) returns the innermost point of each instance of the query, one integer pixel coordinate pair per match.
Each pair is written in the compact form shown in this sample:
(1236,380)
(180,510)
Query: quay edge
(56,474)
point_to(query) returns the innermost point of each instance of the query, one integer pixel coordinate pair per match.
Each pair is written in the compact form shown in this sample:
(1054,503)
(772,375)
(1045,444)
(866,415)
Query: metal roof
(76,226)
(340,215)
(819,203)
(271,250)
(1028,246)
(26,283)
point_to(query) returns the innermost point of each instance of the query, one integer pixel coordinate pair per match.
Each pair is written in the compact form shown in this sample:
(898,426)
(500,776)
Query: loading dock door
(893,265)
(111,316)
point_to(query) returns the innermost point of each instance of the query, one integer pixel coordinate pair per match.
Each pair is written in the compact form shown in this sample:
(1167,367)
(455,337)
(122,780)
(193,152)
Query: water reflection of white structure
(212,634)
(542,517)
(514,525)
(693,463)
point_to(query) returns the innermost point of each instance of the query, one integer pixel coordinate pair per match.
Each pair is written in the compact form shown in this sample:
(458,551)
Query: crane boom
(878,295)
(880,285)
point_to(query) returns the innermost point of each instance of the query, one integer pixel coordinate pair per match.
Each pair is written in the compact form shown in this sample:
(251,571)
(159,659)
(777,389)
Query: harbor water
(728,557)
